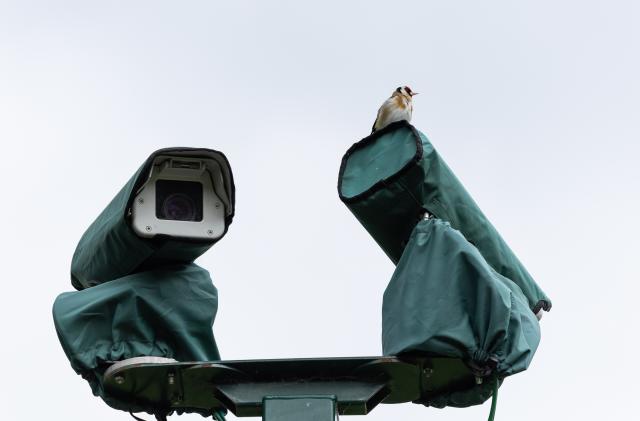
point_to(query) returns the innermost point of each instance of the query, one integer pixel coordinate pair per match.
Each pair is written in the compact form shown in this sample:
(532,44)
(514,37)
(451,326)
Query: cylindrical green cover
(390,178)
(445,300)
(167,312)
(110,249)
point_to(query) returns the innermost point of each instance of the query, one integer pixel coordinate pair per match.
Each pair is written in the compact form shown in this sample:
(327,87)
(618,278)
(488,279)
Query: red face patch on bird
(408,91)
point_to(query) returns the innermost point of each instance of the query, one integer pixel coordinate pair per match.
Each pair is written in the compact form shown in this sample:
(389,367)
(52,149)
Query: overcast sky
(534,104)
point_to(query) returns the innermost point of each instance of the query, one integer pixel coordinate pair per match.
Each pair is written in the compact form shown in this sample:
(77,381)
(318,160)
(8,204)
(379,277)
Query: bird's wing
(383,115)
(373,128)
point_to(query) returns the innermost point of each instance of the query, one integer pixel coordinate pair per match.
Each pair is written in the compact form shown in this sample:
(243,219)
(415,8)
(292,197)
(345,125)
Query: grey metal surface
(296,408)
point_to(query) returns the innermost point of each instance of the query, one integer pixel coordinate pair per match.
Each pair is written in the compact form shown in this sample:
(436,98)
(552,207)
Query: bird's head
(405,91)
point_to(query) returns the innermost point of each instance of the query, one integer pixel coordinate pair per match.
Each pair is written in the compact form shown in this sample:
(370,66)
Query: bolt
(148,228)
(171,378)
(119,379)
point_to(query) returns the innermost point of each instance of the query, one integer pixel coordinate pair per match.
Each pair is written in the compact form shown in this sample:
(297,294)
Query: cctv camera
(175,207)
(183,197)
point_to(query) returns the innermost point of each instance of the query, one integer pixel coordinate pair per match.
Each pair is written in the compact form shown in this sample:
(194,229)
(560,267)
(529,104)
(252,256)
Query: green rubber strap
(494,399)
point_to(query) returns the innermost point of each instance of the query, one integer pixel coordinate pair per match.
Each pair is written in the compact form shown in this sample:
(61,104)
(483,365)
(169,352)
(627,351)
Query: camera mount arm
(284,389)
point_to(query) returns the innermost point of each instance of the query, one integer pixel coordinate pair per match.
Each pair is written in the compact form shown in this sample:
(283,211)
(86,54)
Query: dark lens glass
(180,207)
(179,200)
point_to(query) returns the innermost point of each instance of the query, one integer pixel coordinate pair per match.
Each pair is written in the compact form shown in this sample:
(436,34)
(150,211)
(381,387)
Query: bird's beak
(414,93)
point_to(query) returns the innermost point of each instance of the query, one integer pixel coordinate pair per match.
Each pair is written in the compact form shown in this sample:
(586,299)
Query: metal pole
(300,408)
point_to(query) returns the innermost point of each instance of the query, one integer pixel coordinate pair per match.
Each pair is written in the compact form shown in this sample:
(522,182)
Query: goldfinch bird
(398,107)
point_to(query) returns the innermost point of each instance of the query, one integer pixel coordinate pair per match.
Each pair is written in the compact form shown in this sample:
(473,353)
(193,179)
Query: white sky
(534,104)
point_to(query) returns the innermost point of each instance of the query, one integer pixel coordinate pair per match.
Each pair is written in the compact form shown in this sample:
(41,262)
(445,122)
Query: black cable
(136,418)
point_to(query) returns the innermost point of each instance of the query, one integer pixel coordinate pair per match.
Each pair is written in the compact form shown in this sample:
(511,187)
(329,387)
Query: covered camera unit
(458,291)
(389,179)
(175,207)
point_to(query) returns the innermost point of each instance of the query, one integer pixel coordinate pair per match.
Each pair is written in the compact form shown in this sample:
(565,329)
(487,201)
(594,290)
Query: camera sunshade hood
(110,249)
(390,178)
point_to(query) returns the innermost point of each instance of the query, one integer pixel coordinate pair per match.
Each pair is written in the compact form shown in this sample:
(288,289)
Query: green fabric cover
(391,177)
(445,300)
(110,249)
(167,312)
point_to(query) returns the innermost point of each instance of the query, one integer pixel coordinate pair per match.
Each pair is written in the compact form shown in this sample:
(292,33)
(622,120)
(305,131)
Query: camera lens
(179,207)
(179,200)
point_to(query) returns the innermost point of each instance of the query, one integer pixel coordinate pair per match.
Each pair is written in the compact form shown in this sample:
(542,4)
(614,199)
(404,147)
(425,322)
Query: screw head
(148,228)
(209,232)
(119,379)
(141,200)
(217,205)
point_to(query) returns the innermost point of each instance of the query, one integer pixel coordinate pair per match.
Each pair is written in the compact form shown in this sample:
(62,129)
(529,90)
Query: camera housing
(183,197)
(177,205)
